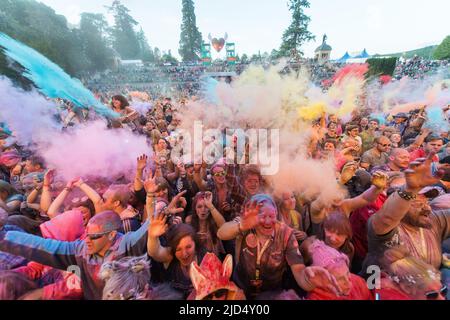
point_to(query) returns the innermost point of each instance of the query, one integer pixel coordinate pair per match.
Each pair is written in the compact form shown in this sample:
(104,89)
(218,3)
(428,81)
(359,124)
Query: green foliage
(381,66)
(426,53)
(169,58)
(297,33)
(124,37)
(190,37)
(41,28)
(443,50)
(92,33)
(87,48)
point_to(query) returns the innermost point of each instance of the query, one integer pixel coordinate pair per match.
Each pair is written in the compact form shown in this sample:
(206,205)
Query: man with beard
(407,219)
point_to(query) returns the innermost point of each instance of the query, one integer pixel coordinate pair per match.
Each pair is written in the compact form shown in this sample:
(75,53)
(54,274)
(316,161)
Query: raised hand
(250,218)
(419,174)
(78,182)
(158,225)
(49,176)
(348,171)
(150,184)
(173,205)
(181,168)
(197,167)
(320,278)
(380,179)
(142,162)
(208,200)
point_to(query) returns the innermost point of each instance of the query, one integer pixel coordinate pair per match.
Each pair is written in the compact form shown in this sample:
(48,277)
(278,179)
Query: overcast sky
(380,26)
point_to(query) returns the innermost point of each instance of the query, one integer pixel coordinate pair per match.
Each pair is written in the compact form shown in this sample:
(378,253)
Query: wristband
(408,196)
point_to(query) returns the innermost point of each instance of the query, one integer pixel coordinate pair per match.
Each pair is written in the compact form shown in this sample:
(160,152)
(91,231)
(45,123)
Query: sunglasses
(220,174)
(97,236)
(217,294)
(433,295)
(385,145)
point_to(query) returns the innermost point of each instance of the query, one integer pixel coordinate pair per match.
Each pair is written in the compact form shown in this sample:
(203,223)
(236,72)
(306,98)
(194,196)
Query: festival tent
(359,57)
(344,58)
(362,55)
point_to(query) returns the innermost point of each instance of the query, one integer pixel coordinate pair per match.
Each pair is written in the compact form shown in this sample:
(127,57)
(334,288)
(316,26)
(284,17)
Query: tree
(93,36)
(169,58)
(443,50)
(146,52)
(124,37)
(297,33)
(244,58)
(38,26)
(190,37)
(157,55)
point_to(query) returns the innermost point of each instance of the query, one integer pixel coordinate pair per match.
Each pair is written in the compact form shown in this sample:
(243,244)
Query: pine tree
(191,37)
(124,37)
(146,52)
(297,33)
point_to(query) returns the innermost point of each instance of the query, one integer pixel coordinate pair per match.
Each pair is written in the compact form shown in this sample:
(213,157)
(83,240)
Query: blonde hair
(403,267)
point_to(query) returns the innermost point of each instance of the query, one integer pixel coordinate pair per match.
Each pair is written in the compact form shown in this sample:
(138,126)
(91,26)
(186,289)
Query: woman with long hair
(206,220)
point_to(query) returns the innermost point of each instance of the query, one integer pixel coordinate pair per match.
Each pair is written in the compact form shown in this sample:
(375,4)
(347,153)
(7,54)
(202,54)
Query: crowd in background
(186,230)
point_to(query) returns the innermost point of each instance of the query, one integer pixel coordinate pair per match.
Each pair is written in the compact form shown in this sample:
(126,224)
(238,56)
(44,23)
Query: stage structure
(218,45)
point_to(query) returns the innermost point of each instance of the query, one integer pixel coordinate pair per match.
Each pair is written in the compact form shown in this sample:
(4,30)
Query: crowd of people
(188,230)
(418,67)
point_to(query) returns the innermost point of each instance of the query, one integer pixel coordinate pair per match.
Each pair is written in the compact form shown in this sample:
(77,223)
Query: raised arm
(231,230)
(418,176)
(198,179)
(379,182)
(91,193)
(157,227)
(54,208)
(217,216)
(419,140)
(46,196)
(53,253)
(141,164)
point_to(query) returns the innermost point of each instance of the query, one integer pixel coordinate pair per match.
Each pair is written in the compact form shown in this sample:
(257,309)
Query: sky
(380,26)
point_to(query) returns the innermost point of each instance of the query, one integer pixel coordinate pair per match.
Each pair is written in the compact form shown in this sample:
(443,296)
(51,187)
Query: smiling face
(117,104)
(267,218)
(185,251)
(219,175)
(364,122)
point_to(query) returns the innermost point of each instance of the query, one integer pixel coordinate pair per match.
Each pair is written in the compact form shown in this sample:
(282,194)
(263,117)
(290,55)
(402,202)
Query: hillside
(426,52)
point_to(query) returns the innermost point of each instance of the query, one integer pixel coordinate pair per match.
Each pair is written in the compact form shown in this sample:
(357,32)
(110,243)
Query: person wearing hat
(400,122)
